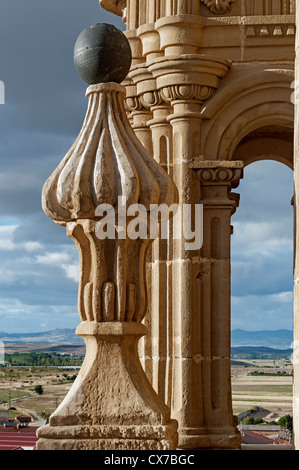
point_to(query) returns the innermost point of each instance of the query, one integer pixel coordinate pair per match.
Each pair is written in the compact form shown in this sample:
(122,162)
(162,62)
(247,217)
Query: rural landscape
(36,376)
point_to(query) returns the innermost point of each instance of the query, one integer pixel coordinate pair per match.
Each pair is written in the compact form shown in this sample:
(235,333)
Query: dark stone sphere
(102,54)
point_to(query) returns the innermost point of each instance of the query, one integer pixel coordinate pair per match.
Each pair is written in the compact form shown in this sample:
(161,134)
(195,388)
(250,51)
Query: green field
(5,394)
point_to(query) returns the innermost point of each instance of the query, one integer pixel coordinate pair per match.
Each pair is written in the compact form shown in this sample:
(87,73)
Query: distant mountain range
(277,339)
(58,336)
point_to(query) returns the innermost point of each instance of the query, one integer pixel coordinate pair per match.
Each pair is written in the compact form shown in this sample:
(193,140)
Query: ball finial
(102,54)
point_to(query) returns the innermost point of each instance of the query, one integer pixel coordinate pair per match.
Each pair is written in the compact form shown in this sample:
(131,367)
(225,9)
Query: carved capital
(168,96)
(219,6)
(187,92)
(151,99)
(227,176)
(217,179)
(133,104)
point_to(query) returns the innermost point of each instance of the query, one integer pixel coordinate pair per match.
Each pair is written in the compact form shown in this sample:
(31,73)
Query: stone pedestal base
(107,437)
(111,405)
(210,439)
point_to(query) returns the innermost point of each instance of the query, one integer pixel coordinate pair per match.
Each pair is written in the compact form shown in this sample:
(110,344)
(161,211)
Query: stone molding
(230,115)
(168,95)
(197,92)
(280,30)
(246,30)
(166,81)
(149,11)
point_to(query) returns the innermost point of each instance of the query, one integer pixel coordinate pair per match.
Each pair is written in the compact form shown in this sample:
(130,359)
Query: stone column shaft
(216,179)
(187,403)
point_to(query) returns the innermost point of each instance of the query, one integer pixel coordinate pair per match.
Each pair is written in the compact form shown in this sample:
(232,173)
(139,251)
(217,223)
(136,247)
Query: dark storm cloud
(45,98)
(44,109)
(262,249)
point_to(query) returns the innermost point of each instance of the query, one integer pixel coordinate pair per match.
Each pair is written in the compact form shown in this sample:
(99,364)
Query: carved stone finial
(105,163)
(111,405)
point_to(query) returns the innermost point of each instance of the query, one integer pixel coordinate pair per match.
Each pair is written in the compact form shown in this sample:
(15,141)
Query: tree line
(33,359)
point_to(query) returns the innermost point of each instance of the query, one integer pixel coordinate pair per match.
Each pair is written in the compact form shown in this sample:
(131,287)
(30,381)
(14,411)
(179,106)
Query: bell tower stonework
(205,75)
(208,90)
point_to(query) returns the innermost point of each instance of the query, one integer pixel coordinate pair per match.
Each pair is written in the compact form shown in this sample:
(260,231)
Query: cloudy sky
(43,112)
(262,249)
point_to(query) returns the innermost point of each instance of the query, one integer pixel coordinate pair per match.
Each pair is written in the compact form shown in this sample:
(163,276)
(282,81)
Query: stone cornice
(215,6)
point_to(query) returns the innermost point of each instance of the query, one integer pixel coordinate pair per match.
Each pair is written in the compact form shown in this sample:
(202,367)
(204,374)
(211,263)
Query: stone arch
(273,142)
(249,118)
(260,100)
(268,200)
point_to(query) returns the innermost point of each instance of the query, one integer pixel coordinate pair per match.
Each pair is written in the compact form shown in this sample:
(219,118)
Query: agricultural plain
(264,386)
(261,385)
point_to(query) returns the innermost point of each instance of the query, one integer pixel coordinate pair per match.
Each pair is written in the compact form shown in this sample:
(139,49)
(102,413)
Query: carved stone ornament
(95,192)
(219,6)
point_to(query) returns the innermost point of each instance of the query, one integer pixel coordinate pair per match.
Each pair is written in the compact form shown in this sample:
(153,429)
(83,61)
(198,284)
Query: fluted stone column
(160,346)
(215,181)
(185,84)
(105,177)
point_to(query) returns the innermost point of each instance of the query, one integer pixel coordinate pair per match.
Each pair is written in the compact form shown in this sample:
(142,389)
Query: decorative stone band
(281,30)
(133,104)
(168,80)
(168,95)
(154,9)
(139,12)
(187,92)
